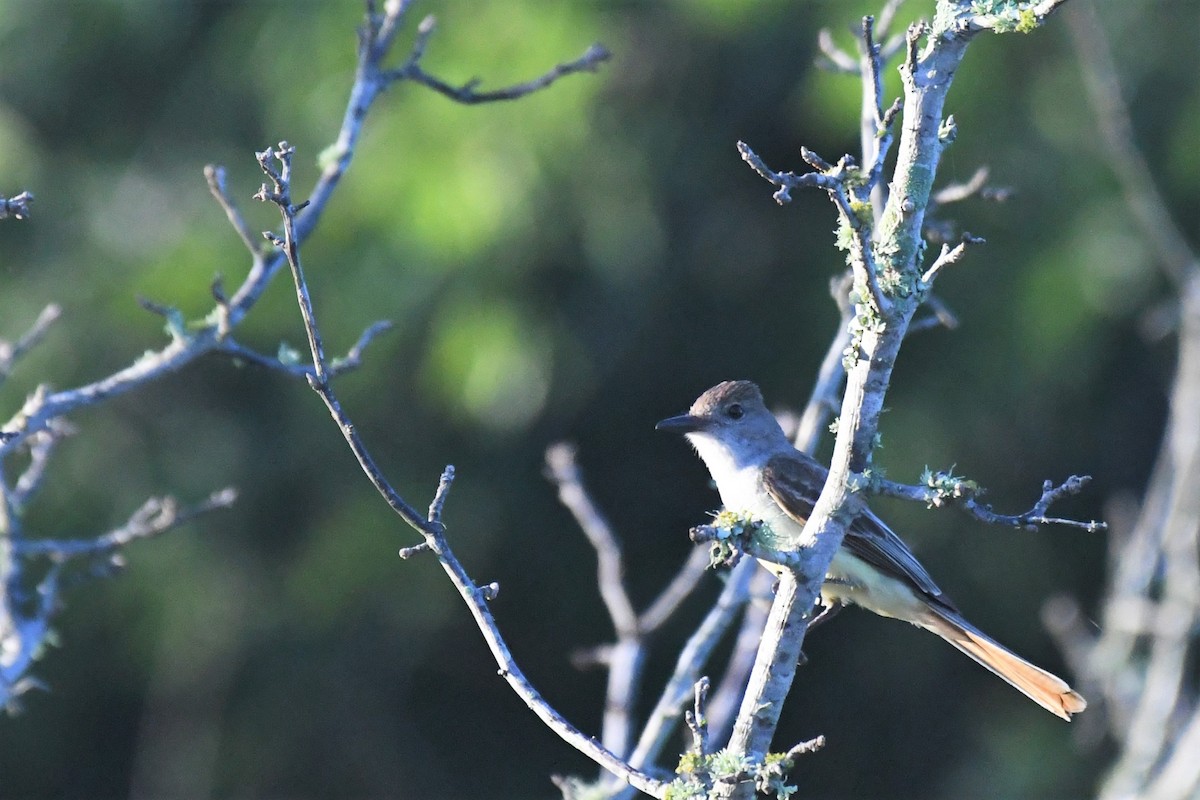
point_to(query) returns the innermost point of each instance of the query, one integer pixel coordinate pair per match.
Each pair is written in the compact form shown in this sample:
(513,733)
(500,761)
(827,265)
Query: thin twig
(1142,196)
(41,447)
(941,489)
(279,194)
(836,59)
(430,527)
(339,366)
(437,506)
(11,352)
(957,192)
(155,517)
(805,748)
(467,94)
(215,176)
(872,82)
(697,717)
(949,255)
(876,126)
(691,660)
(679,589)
(831,178)
(562,469)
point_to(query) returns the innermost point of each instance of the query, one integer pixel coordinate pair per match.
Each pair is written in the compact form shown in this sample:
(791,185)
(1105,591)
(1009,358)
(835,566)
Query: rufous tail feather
(1044,688)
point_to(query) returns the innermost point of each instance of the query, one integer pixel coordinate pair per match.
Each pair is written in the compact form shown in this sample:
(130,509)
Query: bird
(759,472)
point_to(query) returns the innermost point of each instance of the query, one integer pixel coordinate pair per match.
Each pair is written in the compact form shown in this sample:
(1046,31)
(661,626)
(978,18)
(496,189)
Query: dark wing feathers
(794,481)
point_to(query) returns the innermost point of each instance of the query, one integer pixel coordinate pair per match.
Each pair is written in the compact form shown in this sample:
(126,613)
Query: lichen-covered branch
(933,53)
(939,489)
(836,180)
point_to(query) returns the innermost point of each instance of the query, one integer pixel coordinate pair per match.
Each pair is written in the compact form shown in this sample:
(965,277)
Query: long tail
(1044,688)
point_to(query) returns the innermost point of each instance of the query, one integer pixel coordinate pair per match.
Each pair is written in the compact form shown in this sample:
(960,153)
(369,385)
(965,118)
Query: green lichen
(843,235)
(1007,16)
(698,774)
(943,486)
(862,212)
(288,355)
(733,530)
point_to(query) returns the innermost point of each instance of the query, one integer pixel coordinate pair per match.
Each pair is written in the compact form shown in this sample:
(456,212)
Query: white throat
(738,475)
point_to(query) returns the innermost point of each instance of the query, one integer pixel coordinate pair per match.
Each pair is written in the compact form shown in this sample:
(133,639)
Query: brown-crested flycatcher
(759,472)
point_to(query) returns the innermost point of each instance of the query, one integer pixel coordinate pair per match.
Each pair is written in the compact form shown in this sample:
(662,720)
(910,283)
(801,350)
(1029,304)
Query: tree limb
(276,164)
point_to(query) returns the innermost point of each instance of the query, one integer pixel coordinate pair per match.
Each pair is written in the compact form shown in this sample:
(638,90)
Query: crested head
(730,427)
(727,394)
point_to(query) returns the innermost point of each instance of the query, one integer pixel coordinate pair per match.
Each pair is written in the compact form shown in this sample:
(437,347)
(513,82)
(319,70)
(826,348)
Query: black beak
(684,423)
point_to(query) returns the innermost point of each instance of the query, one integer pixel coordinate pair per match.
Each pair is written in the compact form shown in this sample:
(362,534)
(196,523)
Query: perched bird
(759,472)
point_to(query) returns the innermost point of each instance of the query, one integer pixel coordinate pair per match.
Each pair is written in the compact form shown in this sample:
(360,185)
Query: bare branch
(279,194)
(625,658)
(836,59)
(562,469)
(276,165)
(1124,157)
(379,31)
(823,402)
(943,488)
(11,352)
(41,447)
(949,256)
(216,185)
(833,179)
(872,74)
(957,192)
(590,61)
(805,748)
(883,135)
(691,660)
(942,316)
(339,366)
(438,504)
(155,517)
(697,717)
(678,590)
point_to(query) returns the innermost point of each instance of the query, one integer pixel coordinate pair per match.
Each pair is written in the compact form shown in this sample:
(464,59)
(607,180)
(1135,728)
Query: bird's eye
(735,411)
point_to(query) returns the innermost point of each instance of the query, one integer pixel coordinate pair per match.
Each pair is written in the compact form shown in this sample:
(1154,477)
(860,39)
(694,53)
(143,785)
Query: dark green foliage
(575,265)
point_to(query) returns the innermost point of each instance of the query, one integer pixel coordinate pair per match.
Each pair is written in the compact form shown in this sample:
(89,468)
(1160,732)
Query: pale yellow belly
(852,580)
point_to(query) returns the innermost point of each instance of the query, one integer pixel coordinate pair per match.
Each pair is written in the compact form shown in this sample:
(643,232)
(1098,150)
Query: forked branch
(431,527)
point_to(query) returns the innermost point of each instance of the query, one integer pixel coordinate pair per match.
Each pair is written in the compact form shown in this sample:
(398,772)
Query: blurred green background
(576,265)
